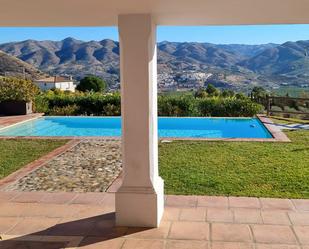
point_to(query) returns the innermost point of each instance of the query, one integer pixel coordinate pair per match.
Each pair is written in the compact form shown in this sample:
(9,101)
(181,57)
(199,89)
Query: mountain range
(232,65)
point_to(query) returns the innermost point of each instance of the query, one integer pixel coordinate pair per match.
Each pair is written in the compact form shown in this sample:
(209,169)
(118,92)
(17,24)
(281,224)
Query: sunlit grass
(15,153)
(281,120)
(237,168)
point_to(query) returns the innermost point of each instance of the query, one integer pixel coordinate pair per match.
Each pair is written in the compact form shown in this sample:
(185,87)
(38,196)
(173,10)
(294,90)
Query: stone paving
(87,220)
(90,166)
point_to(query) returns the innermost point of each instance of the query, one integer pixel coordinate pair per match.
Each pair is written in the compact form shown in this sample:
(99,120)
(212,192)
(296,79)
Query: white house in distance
(56,82)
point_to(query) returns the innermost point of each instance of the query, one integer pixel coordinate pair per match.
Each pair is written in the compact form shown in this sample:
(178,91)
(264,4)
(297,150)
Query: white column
(140,199)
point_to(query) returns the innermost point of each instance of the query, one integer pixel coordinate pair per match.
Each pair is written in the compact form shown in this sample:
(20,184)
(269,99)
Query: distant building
(56,82)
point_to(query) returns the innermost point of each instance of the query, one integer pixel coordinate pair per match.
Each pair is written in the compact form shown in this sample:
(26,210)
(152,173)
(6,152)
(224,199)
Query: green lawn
(281,120)
(237,168)
(15,153)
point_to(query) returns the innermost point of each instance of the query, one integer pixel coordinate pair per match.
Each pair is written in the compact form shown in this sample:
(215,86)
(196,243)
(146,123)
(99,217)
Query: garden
(200,167)
(203,167)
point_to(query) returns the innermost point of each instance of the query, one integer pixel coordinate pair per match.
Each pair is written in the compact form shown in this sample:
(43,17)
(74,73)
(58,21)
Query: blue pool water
(168,127)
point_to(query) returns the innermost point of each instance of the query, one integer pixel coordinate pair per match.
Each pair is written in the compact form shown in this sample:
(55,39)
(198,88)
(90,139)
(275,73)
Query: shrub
(14,89)
(109,105)
(200,93)
(227,93)
(112,110)
(176,106)
(240,96)
(206,106)
(228,107)
(41,104)
(69,110)
(88,103)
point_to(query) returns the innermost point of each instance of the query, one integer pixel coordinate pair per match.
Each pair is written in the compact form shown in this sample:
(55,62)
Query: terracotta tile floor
(10,120)
(67,220)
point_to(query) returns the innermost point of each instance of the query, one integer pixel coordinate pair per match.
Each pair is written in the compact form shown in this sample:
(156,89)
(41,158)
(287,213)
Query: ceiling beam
(164,12)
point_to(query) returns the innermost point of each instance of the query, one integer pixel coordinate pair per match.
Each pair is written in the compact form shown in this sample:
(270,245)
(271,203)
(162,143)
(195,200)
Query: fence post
(268,105)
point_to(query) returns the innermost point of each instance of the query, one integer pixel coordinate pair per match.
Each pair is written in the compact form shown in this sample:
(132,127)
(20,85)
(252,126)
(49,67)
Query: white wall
(65,86)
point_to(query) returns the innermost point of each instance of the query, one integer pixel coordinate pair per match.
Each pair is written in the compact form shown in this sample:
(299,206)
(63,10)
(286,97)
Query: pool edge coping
(276,132)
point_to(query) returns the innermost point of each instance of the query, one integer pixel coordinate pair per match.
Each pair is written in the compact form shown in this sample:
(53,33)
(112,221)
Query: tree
(91,83)
(240,96)
(200,93)
(211,90)
(227,93)
(258,92)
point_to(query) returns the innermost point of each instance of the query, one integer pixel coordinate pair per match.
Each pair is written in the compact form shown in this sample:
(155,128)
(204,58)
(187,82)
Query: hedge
(79,104)
(14,89)
(109,105)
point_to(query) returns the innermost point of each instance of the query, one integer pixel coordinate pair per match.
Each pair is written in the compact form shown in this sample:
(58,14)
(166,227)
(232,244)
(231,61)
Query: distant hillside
(11,66)
(246,50)
(69,56)
(234,65)
(290,58)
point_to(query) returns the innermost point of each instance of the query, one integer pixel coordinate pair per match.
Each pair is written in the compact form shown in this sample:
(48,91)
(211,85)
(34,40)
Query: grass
(237,168)
(15,153)
(281,120)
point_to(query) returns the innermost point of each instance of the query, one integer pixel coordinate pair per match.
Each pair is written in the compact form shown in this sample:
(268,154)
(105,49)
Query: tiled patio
(71,220)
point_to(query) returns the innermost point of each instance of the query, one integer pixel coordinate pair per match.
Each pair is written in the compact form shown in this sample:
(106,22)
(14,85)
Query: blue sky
(257,34)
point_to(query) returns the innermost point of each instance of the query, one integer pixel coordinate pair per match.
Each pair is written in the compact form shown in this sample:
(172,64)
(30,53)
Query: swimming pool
(168,127)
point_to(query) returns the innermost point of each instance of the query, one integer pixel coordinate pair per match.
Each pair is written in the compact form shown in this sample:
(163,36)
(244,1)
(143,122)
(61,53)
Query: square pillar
(140,199)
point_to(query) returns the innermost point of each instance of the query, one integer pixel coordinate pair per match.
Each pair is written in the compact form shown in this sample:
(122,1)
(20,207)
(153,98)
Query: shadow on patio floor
(74,233)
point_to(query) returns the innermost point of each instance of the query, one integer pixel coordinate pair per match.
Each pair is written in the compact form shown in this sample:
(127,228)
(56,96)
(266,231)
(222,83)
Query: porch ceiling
(165,12)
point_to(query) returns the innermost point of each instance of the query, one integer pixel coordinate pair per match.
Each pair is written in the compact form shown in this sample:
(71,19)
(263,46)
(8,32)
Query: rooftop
(55,79)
